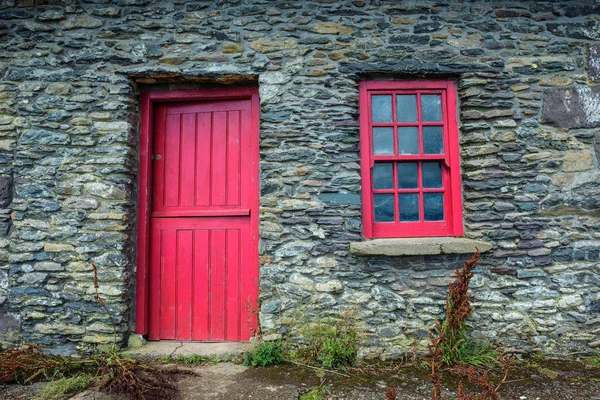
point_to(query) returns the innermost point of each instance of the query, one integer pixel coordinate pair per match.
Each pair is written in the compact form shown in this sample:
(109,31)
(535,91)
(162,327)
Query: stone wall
(526,71)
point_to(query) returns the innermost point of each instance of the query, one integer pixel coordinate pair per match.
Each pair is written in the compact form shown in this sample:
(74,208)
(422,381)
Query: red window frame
(451,225)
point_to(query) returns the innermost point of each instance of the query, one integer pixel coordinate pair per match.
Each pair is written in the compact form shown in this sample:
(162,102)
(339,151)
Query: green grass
(594,360)
(315,393)
(191,360)
(66,387)
(328,344)
(265,354)
(469,352)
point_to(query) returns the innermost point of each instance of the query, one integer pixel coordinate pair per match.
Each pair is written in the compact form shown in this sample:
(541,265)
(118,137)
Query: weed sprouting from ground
(264,355)
(315,393)
(329,344)
(191,360)
(59,389)
(451,346)
(29,364)
(457,347)
(391,394)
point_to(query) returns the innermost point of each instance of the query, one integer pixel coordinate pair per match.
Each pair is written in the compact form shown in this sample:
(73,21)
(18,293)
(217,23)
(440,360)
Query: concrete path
(154,350)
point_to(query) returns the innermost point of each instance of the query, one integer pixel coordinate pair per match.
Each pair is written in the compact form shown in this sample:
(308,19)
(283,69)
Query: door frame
(148,101)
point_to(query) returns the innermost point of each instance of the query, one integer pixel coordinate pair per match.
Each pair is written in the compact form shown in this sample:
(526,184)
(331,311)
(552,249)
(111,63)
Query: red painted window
(410,159)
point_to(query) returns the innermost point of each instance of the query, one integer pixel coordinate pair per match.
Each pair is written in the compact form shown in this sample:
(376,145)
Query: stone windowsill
(418,246)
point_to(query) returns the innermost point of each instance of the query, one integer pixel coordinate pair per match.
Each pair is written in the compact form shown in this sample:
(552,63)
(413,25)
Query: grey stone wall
(70,72)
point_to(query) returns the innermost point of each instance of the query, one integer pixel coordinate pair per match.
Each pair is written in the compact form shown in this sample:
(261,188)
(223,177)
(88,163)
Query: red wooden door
(202,276)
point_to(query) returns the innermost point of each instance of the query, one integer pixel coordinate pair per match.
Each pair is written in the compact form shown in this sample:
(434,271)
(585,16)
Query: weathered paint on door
(202,286)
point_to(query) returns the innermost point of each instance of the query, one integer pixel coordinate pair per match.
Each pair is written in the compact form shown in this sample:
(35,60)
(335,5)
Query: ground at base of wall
(536,379)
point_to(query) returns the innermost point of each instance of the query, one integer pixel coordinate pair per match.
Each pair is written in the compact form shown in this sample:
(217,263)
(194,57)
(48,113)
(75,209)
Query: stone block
(593,62)
(572,108)
(577,161)
(10,326)
(418,246)
(6,189)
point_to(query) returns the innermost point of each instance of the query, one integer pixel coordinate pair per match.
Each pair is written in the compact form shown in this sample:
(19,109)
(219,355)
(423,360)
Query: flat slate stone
(593,62)
(572,108)
(418,246)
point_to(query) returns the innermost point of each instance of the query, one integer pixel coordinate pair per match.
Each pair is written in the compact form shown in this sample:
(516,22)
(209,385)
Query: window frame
(452,225)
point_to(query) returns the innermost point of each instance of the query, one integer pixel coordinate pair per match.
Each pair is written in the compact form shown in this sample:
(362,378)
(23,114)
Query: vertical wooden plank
(187,162)
(233,159)
(184,284)
(247,281)
(171,159)
(201,287)
(158,166)
(155,281)
(218,158)
(217,285)
(232,298)
(168,250)
(203,153)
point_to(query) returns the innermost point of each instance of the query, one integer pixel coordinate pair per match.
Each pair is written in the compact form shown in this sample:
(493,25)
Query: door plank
(171,160)
(233,285)
(233,159)
(188,160)
(219,158)
(184,279)
(168,272)
(202,245)
(217,284)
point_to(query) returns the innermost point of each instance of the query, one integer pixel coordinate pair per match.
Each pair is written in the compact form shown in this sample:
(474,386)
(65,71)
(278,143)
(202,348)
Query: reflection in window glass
(407,175)
(382,108)
(409,207)
(406,108)
(383,207)
(382,176)
(431,107)
(432,174)
(433,204)
(433,142)
(408,140)
(383,141)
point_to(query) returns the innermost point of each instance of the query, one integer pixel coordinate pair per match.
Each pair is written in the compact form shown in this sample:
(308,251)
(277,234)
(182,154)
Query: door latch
(157,157)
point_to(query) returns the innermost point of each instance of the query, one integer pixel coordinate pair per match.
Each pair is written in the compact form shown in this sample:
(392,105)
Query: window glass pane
(406,108)
(407,175)
(433,204)
(432,174)
(433,142)
(382,176)
(408,140)
(384,207)
(431,107)
(409,207)
(382,108)
(383,141)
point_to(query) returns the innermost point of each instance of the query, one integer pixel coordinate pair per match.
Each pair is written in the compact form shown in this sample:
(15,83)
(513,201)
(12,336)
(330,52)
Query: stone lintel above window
(418,246)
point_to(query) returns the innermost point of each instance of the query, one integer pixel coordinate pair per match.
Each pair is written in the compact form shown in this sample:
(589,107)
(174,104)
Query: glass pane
(383,141)
(406,108)
(408,140)
(407,175)
(431,107)
(382,176)
(433,204)
(384,207)
(382,108)
(433,143)
(409,207)
(432,174)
